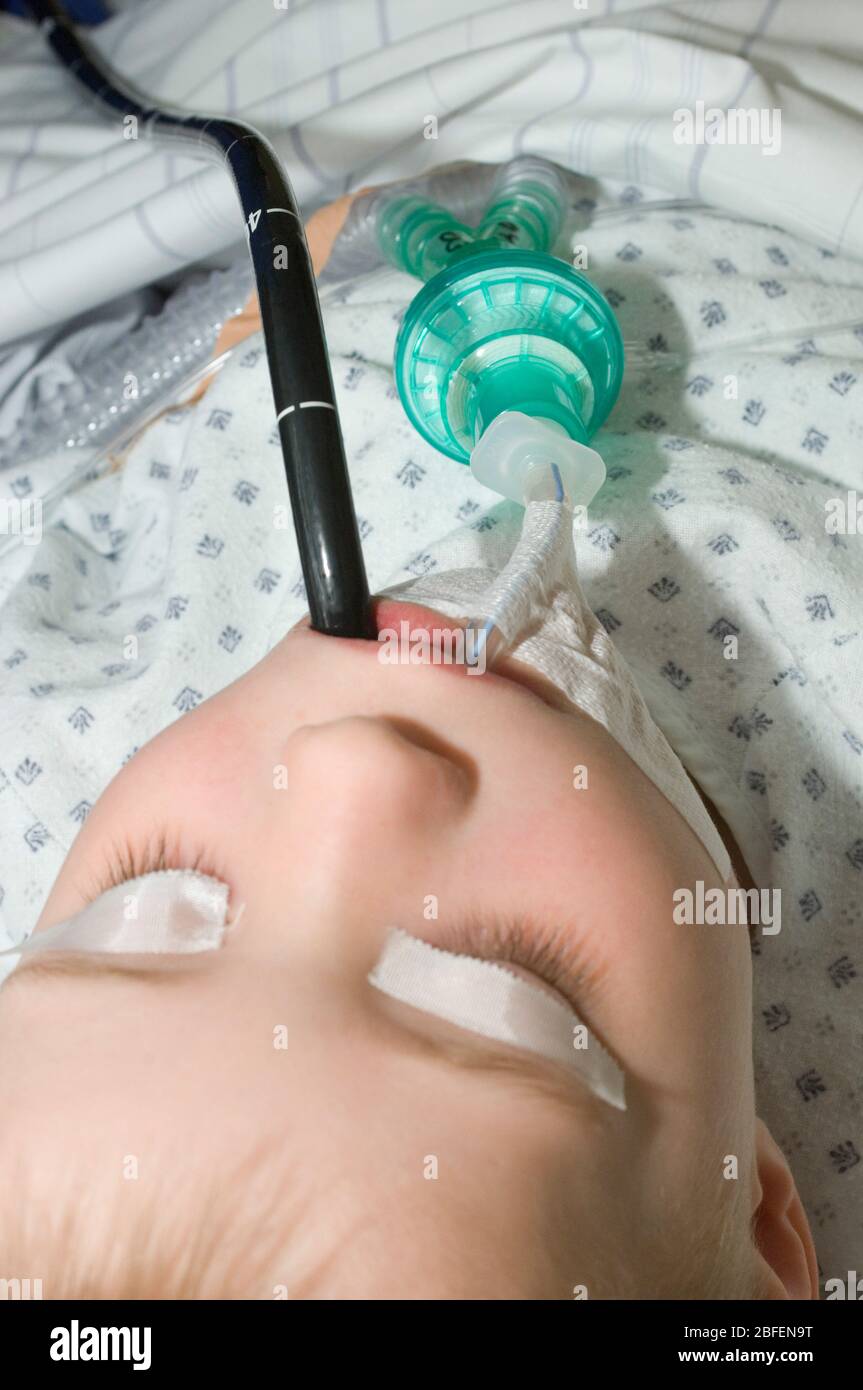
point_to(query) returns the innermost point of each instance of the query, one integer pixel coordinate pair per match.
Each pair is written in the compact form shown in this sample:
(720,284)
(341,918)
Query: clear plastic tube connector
(534,462)
(526,458)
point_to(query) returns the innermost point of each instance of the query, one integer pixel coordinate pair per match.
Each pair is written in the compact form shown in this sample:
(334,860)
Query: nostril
(422,737)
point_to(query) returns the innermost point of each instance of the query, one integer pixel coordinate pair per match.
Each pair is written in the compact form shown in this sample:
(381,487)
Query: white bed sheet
(349,90)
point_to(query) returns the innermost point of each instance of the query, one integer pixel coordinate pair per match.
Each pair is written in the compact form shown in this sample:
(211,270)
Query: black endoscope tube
(312,446)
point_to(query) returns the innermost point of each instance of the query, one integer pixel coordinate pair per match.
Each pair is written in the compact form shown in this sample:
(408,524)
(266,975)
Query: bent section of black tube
(310,434)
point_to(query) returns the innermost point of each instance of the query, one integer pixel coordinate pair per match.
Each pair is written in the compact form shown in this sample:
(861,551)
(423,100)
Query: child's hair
(255,1232)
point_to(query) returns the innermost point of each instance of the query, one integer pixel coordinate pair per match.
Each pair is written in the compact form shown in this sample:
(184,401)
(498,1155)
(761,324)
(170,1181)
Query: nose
(374,807)
(379,775)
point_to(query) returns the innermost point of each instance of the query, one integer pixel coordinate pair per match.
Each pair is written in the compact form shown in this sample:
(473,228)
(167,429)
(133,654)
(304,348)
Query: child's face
(406,786)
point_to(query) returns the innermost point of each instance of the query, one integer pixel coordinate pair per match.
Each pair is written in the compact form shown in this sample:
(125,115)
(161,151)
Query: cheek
(554,812)
(186,783)
(602,855)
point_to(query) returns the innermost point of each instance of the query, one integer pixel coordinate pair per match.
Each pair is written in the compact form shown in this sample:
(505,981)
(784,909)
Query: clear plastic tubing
(114,396)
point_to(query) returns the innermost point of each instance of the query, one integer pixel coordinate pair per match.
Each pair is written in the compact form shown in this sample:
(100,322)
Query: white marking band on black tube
(304,405)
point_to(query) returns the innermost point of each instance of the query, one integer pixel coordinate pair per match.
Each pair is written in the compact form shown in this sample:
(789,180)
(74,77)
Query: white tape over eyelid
(177,911)
(484,997)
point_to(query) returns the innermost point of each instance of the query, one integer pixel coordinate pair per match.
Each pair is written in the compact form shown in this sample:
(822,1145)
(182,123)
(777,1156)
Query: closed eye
(126,860)
(556,954)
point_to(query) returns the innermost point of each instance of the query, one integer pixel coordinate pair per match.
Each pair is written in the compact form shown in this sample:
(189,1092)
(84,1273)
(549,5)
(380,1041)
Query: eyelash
(556,956)
(129,861)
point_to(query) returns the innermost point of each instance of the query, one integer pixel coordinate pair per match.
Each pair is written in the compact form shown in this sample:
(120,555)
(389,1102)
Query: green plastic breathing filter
(501,324)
